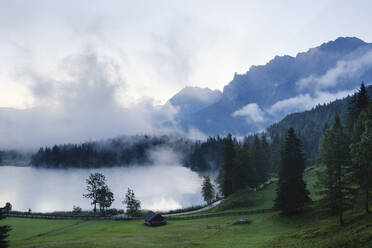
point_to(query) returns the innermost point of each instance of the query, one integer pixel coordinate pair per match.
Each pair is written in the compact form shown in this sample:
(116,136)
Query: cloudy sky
(155,48)
(92,69)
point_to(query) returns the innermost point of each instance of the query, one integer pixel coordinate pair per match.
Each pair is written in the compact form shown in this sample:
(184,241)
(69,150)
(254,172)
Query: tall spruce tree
(336,179)
(275,147)
(4,230)
(259,160)
(358,103)
(207,190)
(244,174)
(362,100)
(362,158)
(358,127)
(267,152)
(226,170)
(291,189)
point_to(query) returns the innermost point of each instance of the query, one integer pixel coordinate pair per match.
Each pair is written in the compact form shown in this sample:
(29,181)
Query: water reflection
(159,187)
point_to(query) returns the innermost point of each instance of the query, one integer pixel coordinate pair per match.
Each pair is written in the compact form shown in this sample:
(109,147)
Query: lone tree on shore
(132,204)
(95,183)
(105,198)
(208,190)
(3,231)
(336,179)
(291,190)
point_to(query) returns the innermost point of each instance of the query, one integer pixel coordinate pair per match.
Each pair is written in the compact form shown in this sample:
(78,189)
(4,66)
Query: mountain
(193,99)
(286,84)
(309,125)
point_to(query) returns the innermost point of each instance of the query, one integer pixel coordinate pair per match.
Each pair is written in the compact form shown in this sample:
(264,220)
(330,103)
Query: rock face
(286,84)
(193,99)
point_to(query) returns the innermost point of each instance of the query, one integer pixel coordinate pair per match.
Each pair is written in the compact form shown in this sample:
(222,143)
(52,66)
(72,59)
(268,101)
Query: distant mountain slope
(193,99)
(309,124)
(286,84)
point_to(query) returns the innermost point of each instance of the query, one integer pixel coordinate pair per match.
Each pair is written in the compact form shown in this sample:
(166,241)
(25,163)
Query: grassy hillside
(313,228)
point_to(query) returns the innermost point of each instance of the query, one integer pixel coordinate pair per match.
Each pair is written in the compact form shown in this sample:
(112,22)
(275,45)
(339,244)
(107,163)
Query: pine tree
(335,180)
(3,231)
(358,103)
(362,158)
(267,157)
(358,127)
(207,190)
(244,175)
(275,153)
(226,171)
(362,100)
(291,188)
(259,160)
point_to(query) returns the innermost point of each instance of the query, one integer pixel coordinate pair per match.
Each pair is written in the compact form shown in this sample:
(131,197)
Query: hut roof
(150,215)
(154,219)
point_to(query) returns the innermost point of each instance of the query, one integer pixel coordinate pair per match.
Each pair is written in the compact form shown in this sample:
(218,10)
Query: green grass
(211,232)
(313,228)
(326,232)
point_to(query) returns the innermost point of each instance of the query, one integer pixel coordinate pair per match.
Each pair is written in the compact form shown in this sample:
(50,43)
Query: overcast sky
(155,48)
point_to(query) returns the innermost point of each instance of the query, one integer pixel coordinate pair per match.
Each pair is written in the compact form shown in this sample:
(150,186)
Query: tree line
(244,164)
(199,156)
(123,151)
(309,125)
(345,159)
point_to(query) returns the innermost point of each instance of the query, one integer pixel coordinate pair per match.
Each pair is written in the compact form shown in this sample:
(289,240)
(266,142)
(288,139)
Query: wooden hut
(154,219)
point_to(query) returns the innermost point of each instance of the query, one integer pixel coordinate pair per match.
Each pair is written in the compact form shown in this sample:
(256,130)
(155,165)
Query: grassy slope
(265,230)
(211,232)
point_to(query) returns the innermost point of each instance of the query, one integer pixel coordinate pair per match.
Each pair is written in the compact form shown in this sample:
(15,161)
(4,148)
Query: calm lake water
(158,187)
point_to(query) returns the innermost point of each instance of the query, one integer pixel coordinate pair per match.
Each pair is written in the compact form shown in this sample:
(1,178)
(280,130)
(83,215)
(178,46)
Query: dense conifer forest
(201,155)
(309,125)
(124,151)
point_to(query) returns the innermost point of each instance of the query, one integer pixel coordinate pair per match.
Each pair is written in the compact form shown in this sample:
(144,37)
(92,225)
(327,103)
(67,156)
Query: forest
(199,155)
(344,160)
(122,151)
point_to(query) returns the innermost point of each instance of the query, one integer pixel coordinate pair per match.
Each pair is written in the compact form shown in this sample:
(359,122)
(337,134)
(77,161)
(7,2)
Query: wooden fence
(64,217)
(258,211)
(185,217)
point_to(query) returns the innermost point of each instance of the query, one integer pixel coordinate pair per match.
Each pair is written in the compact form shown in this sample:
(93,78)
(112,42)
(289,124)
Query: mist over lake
(158,187)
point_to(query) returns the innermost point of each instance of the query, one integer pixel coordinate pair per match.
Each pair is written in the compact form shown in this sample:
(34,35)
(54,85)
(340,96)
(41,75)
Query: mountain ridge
(283,78)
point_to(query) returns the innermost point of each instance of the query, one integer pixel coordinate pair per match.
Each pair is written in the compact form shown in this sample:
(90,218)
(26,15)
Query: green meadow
(312,228)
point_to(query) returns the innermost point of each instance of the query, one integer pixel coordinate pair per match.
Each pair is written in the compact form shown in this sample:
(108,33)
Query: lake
(158,187)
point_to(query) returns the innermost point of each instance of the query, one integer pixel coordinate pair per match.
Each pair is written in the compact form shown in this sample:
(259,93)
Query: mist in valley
(162,185)
(158,187)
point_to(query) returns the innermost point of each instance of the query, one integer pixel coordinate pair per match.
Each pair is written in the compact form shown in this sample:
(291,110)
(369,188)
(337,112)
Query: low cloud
(255,115)
(59,190)
(252,112)
(80,102)
(196,134)
(344,69)
(305,102)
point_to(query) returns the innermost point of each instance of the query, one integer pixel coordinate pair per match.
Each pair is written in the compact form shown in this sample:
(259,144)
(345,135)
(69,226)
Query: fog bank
(158,187)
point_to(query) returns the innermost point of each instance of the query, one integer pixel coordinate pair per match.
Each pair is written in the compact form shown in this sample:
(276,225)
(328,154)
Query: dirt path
(195,211)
